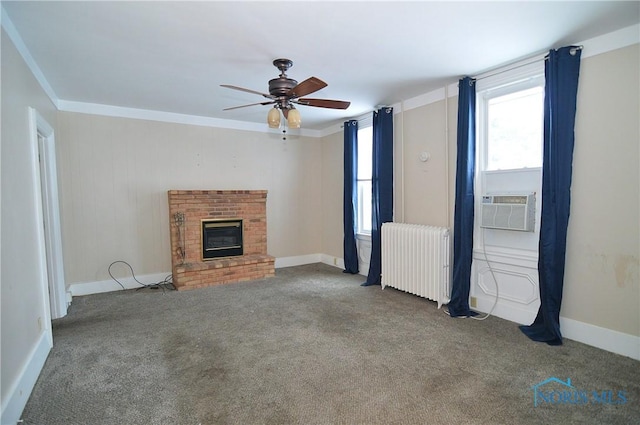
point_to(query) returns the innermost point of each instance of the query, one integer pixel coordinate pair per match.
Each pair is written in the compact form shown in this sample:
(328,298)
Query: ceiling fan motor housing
(281,86)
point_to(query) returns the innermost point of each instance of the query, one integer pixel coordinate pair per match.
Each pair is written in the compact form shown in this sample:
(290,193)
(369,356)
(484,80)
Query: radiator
(415,259)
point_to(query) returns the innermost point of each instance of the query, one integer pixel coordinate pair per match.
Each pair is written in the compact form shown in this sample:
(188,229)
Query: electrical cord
(168,281)
(495,302)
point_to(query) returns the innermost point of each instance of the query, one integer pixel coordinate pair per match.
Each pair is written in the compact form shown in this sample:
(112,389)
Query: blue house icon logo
(541,396)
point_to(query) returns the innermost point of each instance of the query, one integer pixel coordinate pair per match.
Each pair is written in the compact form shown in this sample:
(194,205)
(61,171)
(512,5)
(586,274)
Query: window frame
(515,180)
(482,108)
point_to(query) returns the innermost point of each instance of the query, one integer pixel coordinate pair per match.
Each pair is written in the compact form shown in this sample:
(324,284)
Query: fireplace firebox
(221,238)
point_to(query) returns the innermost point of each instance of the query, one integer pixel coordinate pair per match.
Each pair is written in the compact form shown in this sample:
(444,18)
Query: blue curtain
(562,69)
(464,201)
(350,196)
(381,187)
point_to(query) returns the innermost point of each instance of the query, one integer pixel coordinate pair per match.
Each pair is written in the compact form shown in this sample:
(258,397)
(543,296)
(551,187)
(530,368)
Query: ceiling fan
(285,92)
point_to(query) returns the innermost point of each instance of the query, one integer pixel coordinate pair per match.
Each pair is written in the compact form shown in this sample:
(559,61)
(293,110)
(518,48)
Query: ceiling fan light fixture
(294,120)
(273,118)
(284,91)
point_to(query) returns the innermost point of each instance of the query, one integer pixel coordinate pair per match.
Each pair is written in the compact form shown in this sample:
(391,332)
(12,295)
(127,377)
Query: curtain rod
(573,51)
(366,115)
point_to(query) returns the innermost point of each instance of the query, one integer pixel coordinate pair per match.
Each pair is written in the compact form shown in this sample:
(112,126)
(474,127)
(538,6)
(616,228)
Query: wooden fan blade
(308,86)
(285,112)
(268,96)
(251,104)
(325,103)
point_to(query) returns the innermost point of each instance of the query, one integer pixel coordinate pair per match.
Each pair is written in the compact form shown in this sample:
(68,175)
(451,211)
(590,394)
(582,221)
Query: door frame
(43,138)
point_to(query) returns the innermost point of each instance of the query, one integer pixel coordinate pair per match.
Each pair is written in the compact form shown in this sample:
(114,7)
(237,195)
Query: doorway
(44,135)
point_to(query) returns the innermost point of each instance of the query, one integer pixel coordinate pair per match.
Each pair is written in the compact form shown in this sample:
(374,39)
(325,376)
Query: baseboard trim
(298,260)
(605,339)
(332,261)
(596,336)
(18,395)
(110,285)
(88,288)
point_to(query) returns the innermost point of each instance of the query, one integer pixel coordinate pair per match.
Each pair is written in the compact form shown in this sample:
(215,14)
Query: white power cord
(495,302)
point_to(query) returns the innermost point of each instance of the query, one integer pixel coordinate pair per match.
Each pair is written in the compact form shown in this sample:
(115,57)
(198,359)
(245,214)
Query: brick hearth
(196,205)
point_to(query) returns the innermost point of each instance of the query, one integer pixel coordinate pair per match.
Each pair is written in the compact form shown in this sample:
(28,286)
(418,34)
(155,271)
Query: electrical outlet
(39,324)
(335,261)
(474,302)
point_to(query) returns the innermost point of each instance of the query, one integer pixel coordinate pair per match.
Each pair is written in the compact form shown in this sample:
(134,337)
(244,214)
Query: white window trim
(511,74)
(482,100)
(363,236)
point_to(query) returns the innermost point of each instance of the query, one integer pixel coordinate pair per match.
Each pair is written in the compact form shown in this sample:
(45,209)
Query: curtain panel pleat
(350,196)
(562,69)
(382,188)
(464,200)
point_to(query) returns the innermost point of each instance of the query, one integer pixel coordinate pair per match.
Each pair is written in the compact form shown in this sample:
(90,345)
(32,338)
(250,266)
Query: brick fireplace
(191,211)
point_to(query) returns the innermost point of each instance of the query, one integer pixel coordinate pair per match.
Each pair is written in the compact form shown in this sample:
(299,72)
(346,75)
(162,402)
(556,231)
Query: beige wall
(425,183)
(115,174)
(601,280)
(332,194)
(24,308)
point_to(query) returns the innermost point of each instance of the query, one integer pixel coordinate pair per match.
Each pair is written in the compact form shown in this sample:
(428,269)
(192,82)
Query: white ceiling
(173,56)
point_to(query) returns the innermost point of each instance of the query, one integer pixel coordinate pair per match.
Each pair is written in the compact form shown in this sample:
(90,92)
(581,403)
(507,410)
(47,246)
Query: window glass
(365,153)
(514,130)
(365,161)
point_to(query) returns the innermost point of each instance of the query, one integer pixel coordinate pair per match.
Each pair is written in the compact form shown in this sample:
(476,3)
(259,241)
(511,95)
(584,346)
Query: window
(511,126)
(365,162)
(510,114)
(514,130)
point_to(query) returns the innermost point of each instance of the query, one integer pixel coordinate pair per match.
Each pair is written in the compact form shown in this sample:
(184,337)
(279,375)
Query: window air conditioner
(508,212)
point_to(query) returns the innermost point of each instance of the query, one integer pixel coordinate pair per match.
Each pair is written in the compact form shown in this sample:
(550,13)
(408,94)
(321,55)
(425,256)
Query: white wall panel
(517,291)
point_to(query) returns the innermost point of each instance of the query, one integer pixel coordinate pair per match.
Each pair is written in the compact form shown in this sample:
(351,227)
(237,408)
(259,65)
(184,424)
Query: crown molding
(172,117)
(15,37)
(611,41)
(594,46)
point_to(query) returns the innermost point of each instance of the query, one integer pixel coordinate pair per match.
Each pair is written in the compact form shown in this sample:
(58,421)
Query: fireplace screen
(221,238)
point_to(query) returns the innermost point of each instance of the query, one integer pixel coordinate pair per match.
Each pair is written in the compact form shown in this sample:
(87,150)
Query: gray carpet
(310,346)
